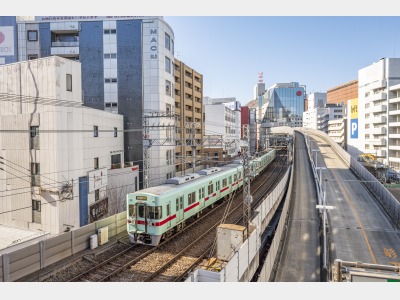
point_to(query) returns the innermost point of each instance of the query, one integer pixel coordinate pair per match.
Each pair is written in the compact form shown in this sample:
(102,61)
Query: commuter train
(157,212)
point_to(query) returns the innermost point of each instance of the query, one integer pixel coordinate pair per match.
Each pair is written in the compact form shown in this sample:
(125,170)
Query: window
(230,180)
(69,82)
(116,159)
(217,186)
(210,189)
(167,65)
(34,131)
(224,182)
(167,41)
(155,212)
(110,31)
(36,205)
(115,131)
(96,195)
(168,87)
(95,131)
(136,187)
(32,56)
(110,55)
(191,198)
(110,80)
(172,46)
(32,35)
(96,163)
(132,211)
(111,104)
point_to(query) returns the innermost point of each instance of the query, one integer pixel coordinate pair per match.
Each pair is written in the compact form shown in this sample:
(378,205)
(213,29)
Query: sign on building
(6,40)
(354,118)
(97,179)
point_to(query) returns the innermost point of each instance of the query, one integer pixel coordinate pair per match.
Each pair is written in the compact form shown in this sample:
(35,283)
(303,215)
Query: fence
(20,263)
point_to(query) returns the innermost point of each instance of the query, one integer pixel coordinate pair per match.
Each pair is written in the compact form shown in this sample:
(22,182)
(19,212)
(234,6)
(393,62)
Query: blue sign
(354,128)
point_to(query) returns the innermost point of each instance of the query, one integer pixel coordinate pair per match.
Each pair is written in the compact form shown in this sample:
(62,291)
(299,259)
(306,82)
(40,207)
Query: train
(155,213)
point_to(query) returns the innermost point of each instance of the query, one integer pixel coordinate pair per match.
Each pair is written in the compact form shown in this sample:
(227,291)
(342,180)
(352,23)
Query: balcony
(65,44)
(394,135)
(379,120)
(376,109)
(394,159)
(376,131)
(65,51)
(394,124)
(394,112)
(376,142)
(394,147)
(377,85)
(381,153)
(394,100)
(335,134)
(376,97)
(395,87)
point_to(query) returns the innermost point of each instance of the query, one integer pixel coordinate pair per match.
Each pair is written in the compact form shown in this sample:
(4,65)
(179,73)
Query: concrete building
(317,100)
(337,130)
(318,117)
(222,122)
(342,93)
(57,156)
(285,105)
(375,117)
(127,68)
(189,110)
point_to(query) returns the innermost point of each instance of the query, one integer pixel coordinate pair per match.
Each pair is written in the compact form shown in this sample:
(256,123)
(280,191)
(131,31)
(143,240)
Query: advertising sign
(6,40)
(97,179)
(98,210)
(354,118)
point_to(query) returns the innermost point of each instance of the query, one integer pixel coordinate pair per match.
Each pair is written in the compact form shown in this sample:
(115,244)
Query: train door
(179,209)
(168,215)
(201,197)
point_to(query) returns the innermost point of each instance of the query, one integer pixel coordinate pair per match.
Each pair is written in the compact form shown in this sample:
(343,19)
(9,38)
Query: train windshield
(132,211)
(155,212)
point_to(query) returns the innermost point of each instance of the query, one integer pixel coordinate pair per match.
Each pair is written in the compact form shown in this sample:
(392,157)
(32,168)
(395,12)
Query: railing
(65,44)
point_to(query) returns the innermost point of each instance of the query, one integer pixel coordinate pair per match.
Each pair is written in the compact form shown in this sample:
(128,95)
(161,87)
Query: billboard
(354,118)
(6,40)
(97,179)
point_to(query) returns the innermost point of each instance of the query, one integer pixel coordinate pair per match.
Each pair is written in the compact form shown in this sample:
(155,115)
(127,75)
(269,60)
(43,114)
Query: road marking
(389,252)
(356,215)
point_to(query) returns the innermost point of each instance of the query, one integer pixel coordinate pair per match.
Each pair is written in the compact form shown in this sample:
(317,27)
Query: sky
(319,52)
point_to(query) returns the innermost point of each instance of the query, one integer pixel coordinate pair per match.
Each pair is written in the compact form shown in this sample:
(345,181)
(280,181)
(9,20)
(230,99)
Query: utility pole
(247,197)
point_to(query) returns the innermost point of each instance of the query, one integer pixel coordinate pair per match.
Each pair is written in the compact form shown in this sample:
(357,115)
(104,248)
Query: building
(342,93)
(374,118)
(319,117)
(337,130)
(189,110)
(127,68)
(59,159)
(285,105)
(222,123)
(317,100)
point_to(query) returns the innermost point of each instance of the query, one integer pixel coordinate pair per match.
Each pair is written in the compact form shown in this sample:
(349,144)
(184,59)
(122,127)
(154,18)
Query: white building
(316,100)
(337,130)
(224,120)
(318,118)
(57,156)
(374,121)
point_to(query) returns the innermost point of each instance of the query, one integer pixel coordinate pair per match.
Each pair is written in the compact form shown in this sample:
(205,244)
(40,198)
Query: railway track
(176,256)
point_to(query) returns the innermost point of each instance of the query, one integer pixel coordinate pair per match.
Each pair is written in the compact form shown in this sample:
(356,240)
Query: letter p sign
(354,129)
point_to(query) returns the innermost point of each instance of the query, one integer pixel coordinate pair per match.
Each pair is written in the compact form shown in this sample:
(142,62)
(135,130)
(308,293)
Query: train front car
(146,217)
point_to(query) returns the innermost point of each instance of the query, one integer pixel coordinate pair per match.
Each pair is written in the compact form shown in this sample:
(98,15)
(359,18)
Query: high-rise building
(189,110)
(374,118)
(127,68)
(285,105)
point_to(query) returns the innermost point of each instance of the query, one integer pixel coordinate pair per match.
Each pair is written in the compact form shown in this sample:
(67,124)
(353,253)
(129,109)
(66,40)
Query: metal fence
(21,263)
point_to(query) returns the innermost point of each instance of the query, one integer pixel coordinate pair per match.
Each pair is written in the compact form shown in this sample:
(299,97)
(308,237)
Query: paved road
(300,259)
(360,230)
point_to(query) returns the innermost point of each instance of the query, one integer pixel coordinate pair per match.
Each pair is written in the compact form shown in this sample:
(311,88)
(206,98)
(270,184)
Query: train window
(132,213)
(168,210)
(224,182)
(141,211)
(217,186)
(155,212)
(240,175)
(210,189)
(192,198)
(177,204)
(230,180)
(200,194)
